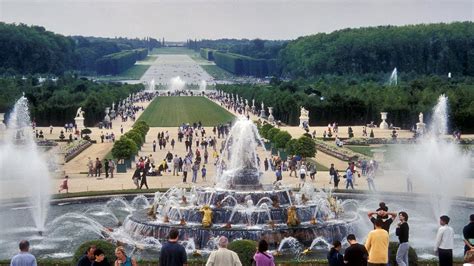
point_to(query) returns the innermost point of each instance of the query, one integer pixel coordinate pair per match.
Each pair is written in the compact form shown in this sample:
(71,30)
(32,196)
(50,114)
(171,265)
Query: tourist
(377,244)
(265,164)
(223,256)
(302,172)
(262,257)
(136,176)
(172,144)
(195,169)
(312,171)
(172,253)
(382,213)
(206,155)
(356,254)
(98,166)
(349,178)
(90,167)
(106,168)
(278,174)
(123,259)
(468,234)
(143,181)
(64,185)
(203,172)
(402,232)
(24,258)
(88,257)
(176,165)
(100,259)
(444,242)
(370,171)
(111,167)
(332,174)
(154,145)
(334,257)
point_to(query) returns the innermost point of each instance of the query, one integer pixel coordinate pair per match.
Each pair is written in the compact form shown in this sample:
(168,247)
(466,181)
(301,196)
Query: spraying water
(151,85)
(202,85)
(393,77)
(177,84)
(436,164)
(23,170)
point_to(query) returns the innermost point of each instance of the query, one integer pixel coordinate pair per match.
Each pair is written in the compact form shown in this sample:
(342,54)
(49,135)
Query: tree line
(118,62)
(32,49)
(422,49)
(56,102)
(349,101)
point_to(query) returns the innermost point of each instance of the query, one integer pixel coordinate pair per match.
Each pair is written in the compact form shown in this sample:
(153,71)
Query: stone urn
(384,124)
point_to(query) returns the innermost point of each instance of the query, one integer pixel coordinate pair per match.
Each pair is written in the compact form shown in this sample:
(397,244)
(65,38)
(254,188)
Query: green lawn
(172,50)
(173,111)
(365,150)
(134,72)
(217,72)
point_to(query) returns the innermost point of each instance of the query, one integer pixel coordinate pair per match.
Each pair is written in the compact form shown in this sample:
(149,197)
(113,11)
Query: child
(64,185)
(203,172)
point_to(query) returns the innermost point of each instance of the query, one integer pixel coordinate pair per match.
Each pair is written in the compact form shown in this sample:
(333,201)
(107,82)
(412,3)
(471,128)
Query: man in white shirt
(24,258)
(223,256)
(444,242)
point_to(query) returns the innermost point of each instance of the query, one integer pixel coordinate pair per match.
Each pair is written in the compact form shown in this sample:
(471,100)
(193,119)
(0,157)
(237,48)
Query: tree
(124,148)
(281,139)
(305,147)
(263,130)
(272,133)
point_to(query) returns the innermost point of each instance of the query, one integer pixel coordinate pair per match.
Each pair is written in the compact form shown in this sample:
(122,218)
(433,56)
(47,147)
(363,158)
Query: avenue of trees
(118,62)
(349,101)
(32,50)
(56,102)
(421,49)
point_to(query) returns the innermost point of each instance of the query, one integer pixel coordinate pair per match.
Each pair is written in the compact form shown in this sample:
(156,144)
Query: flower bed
(340,153)
(72,149)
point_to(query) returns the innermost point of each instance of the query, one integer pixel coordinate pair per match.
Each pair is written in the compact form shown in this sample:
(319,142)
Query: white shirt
(444,238)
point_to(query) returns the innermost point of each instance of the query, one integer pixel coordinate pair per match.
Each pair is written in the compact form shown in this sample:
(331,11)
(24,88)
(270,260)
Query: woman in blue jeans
(402,232)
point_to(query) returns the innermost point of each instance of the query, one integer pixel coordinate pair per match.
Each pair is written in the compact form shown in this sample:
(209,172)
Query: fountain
(202,86)
(151,86)
(20,180)
(393,80)
(241,206)
(176,84)
(439,164)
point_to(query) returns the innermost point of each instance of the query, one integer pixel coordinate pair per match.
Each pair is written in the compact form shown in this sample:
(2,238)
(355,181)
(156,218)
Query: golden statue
(292,216)
(182,222)
(313,220)
(152,211)
(206,216)
(304,199)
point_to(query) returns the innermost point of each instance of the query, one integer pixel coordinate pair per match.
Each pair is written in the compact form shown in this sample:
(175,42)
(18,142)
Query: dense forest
(56,102)
(257,48)
(421,49)
(349,101)
(32,49)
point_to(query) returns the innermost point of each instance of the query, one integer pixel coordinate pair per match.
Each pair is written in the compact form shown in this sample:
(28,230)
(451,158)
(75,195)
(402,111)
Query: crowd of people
(375,250)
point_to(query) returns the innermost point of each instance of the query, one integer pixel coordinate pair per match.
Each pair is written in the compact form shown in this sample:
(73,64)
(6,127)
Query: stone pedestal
(271,119)
(304,117)
(79,120)
(384,124)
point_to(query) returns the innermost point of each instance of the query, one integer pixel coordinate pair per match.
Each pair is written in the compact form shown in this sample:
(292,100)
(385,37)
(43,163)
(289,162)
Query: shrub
(245,249)
(291,146)
(272,133)
(372,133)
(136,136)
(281,139)
(124,148)
(304,146)
(108,248)
(412,256)
(86,131)
(142,126)
(263,130)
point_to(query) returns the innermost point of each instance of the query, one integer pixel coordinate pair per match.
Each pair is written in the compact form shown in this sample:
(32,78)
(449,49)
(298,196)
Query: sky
(178,20)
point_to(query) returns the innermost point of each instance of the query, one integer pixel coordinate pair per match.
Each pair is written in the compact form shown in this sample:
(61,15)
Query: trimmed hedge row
(118,62)
(244,65)
(129,144)
(207,54)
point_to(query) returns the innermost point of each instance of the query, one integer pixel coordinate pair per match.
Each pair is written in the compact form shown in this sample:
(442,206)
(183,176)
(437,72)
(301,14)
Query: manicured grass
(134,72)
(172,50)
(365,150)
(217,72)
(173,111)
(319,167)
(148,60)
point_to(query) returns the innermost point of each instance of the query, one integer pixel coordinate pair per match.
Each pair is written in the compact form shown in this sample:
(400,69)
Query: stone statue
(304,112)
(420,117)
(292,216)
(206,216)
(80,113)
(304,118)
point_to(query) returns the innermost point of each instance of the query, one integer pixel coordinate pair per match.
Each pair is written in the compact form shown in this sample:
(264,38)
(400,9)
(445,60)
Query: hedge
(207,54)
(124,148)
(117,63)
(245,249)
(244,65)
